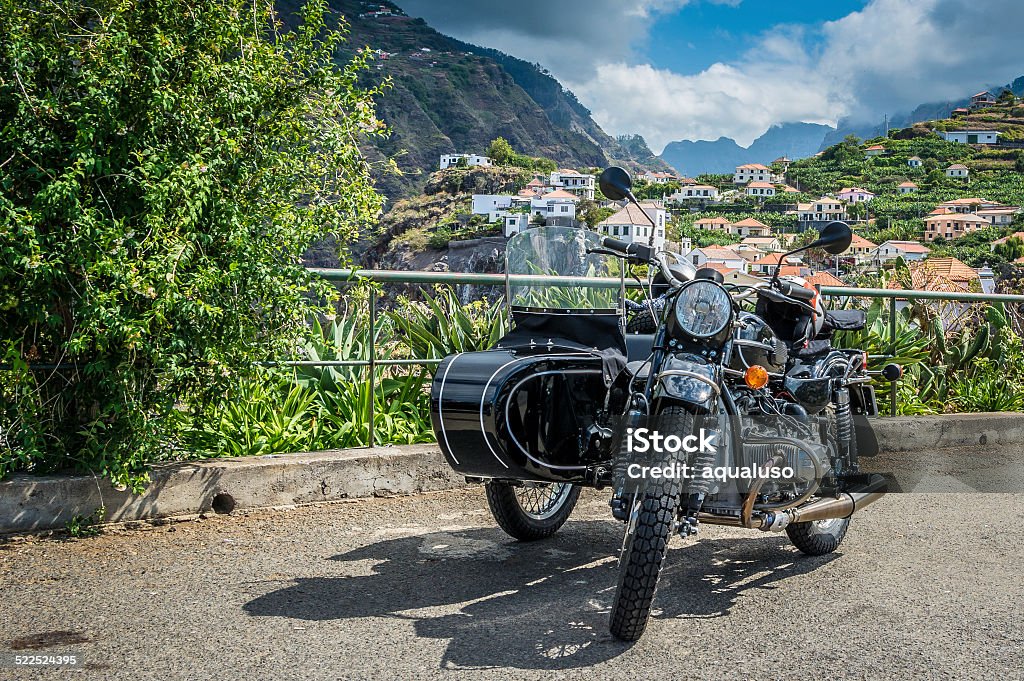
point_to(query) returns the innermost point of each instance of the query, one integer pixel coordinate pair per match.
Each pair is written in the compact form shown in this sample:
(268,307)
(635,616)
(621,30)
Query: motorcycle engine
(767,431)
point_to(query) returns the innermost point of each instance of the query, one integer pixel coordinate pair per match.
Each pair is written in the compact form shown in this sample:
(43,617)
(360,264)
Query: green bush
(163,170)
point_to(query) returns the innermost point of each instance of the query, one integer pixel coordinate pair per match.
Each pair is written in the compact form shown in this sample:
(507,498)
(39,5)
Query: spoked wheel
(818,537)
(649,527)
(531,510)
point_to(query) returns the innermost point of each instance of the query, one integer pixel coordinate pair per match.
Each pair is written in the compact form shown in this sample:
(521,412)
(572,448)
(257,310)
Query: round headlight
(703,308)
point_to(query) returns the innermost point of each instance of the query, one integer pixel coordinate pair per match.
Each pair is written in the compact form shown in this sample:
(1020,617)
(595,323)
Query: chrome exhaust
(843,506)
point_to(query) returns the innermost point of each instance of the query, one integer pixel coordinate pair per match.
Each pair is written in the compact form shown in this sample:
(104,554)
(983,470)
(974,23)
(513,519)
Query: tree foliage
(164,167)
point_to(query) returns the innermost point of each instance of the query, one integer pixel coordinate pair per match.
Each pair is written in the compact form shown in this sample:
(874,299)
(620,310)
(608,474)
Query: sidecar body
(532,407)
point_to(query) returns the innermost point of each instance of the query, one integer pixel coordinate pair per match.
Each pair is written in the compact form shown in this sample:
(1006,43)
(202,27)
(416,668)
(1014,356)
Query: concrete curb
(33,504)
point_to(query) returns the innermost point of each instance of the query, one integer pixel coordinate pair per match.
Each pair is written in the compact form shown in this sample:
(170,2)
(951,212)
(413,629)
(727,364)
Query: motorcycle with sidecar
(560,402)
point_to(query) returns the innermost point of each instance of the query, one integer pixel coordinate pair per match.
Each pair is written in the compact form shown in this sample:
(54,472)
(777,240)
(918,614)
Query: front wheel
(818,537)
(529,511)
(649,527)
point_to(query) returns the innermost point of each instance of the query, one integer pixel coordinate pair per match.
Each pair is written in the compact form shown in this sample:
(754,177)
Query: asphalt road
(925,586)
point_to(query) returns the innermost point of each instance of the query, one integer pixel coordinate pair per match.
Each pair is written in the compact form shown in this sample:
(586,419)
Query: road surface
(925,586)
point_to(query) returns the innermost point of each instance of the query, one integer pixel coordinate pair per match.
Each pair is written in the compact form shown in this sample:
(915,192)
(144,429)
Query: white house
(712,223)
(515,223)
(485,204)
(450,160)
(709,255)
(971,136)
(824,209)
(748,227)
(957,170)
(915,162)
(907,187)
(1002,215)
(855,195)
(752,172)
(580,184)
(695,191)
(765,243)
(911,251)
(760,189)
(633,225)
(874,150)
(659,177)
(556,204)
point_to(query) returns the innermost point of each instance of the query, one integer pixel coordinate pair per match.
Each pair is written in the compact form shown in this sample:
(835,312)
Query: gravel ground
(925,586)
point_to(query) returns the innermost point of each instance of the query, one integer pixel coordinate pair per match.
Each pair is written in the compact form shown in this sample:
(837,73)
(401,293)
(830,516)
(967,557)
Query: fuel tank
(520,416)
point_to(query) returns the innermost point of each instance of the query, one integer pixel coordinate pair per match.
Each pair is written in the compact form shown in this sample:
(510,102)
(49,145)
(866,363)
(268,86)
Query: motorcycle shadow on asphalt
(540,605)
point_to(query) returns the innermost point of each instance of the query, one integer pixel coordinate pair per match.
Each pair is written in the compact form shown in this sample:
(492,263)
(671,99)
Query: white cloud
(722,100)
(888,57)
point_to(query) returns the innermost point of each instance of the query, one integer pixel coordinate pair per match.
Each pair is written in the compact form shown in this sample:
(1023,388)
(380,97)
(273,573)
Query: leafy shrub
(159,186)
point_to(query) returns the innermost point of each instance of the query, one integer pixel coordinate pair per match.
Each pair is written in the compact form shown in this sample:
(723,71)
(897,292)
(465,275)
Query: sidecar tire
(517,523)
(817,538)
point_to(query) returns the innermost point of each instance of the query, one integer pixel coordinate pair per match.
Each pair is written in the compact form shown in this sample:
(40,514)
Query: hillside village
(916,198)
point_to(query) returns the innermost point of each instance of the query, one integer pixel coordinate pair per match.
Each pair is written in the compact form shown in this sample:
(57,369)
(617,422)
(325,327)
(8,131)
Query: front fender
(688,380)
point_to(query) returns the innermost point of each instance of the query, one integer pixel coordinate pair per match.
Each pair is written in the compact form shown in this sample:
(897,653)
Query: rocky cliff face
(447,96)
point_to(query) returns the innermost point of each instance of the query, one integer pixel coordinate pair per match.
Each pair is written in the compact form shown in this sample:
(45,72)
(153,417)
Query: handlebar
(794,291)
(634,251)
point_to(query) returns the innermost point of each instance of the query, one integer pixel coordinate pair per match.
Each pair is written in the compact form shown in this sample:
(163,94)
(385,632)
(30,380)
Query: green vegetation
(162,174)
(502,153)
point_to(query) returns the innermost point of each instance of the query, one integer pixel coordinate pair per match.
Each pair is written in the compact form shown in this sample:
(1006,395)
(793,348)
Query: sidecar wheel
(531,510)
(818,537)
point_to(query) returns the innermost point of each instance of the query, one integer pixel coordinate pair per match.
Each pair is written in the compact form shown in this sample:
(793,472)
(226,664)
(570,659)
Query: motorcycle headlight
(703,308)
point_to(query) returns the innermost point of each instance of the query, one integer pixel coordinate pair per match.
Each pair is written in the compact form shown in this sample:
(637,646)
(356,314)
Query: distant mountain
(448,96)
(795,140)
(925,112)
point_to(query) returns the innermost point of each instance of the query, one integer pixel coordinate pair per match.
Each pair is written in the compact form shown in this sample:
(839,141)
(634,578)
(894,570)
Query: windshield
(560,251)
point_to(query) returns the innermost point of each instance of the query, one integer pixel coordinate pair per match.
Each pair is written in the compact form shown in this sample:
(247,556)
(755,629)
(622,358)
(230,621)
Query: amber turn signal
(756,377)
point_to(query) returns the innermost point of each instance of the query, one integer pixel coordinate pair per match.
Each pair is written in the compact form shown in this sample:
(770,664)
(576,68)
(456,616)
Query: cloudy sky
(701,69)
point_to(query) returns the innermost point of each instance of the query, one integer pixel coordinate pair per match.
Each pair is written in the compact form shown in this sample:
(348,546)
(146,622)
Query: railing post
(892,353)
(373,362)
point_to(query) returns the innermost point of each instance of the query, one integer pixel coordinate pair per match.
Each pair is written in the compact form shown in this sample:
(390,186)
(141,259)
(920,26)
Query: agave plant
(441,325)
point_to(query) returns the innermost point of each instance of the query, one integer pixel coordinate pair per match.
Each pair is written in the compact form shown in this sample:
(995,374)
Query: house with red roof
(760,189)
(749,227)
(958,171)
(752,172)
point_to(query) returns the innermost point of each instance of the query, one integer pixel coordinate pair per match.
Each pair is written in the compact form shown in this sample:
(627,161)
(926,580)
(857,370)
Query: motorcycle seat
(845,320)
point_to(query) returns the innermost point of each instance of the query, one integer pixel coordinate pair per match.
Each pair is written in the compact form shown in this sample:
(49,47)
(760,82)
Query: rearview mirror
(615,183)
(834,239)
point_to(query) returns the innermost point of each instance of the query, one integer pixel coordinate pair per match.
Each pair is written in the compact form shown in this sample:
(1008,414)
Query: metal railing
(349,277)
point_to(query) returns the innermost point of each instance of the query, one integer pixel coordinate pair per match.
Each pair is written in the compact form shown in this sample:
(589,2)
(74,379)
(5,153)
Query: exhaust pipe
(848,503)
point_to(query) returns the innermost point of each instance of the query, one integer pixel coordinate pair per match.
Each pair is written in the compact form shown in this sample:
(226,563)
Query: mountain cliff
(447,96)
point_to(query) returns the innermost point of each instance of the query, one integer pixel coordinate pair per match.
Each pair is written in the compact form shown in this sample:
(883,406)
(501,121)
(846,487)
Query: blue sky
(701,69)
(692,38)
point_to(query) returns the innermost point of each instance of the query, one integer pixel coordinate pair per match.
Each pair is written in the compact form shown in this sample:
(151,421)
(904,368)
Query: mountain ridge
(447,96)
(795,140)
